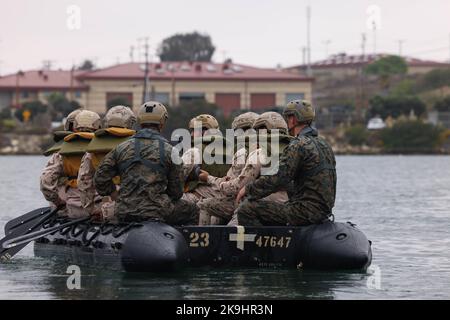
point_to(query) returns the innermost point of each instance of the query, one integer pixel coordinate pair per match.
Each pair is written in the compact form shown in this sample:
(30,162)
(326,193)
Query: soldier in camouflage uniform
(150,180)
(58,136)
(59,179)
(195,189)
(309,163)
(119,121)
(223,206)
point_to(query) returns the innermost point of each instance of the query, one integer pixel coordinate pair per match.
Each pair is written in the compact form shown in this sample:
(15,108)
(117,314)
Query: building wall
(99,89)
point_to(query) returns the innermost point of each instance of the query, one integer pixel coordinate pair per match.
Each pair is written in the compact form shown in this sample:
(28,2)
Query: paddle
(5,254)
(18,222)
(10,245)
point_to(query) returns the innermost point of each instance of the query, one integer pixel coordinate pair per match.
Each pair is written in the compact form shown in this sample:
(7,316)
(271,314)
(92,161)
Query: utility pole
(132,53)
(47,64)
(363,45)
(304,56)
(224,54)
(361,104)
(374,28)
(326,43)
(145,95)
(308,39)
(71,82)
(400,44)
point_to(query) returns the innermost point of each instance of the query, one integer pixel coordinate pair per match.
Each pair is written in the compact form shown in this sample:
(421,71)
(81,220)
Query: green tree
(34,107)
(395,106)
(87,65)
(5,113)
(186,47)
(411,137)
(179,116)
(117,101)
(434,79)
(61,105)
(404,88)
(443,105)
(385,68)
(357,135)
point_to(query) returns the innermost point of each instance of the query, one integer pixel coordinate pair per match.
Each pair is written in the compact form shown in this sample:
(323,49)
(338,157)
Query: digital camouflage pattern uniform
(309,163)
(151,185)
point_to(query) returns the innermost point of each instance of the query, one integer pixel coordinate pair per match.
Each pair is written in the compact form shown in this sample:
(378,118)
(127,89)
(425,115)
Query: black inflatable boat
(155,246)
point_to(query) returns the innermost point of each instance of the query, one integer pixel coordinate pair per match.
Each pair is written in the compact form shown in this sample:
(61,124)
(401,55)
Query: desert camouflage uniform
(151,184)
(310,164)
(223,206)
(90,200)
(54,188)
(190,158)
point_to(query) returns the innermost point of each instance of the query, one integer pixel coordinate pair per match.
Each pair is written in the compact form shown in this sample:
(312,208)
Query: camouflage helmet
(207,121)
(87,121)
(152,112)
(120,116)
(244,121)
(70,119)
(301,109)
(271,120)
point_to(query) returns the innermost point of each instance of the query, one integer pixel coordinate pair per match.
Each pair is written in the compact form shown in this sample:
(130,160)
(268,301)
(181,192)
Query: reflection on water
(401,203)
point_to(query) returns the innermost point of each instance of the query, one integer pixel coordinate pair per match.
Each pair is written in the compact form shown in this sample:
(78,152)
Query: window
(294,96)
(25,94)
(191,96)
(119,98)
(78,94)
(162,97)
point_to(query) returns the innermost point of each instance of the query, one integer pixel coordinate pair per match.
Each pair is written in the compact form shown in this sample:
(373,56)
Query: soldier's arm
(190,158)
(50,178)
(85,182)
(175,178)
(290,160)
(248,174)
(106,171)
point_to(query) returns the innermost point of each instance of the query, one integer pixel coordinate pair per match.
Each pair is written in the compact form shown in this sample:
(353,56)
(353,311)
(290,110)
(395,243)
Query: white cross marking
(240,237)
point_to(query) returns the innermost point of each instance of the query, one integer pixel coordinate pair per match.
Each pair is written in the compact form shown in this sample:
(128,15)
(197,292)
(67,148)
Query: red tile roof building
(341,65)
(231,86)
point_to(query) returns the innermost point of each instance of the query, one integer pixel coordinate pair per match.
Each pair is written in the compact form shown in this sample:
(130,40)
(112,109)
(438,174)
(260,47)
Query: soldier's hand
(114,195)
(203,176)
(240,195)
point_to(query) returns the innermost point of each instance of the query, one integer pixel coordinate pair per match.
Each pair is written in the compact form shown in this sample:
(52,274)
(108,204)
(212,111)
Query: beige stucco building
(230,86)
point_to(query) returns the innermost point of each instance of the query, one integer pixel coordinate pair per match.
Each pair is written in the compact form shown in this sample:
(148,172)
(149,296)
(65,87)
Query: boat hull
(154,246)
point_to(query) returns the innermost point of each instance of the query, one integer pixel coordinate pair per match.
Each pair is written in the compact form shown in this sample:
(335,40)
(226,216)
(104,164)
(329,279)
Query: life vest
(72,151)
(58,138)
(208,143)
(159,166)
(106,140)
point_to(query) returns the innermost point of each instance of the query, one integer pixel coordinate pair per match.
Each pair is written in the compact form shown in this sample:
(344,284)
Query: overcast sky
(255,32)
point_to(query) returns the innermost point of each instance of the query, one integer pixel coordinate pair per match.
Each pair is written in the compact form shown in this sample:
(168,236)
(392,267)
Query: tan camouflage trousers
(74,208)
(269,213)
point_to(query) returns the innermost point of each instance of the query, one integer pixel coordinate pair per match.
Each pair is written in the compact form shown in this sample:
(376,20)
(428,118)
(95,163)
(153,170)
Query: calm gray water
(400,202)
